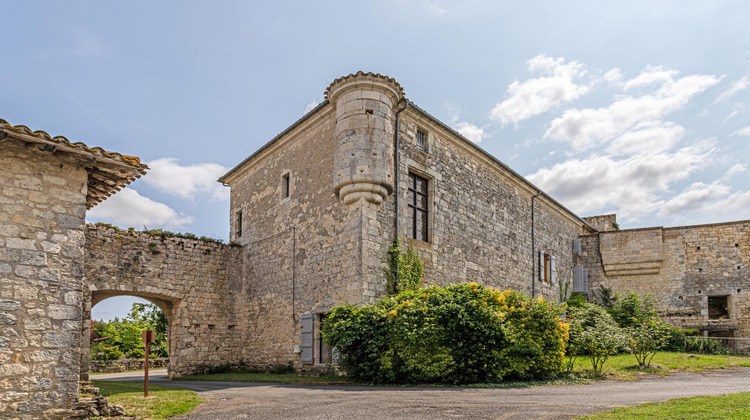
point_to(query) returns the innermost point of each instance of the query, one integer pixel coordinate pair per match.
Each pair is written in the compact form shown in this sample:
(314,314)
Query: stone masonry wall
(42,209)
(480,216)
(195,283)
(301,251)
(696,262)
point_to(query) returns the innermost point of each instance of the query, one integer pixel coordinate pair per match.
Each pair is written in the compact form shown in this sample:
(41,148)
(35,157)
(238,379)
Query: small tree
(632,309)
(601,343)
(405,268)
(646,338)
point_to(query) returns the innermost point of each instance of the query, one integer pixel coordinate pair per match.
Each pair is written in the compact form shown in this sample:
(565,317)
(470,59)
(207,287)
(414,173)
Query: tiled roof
(109,171)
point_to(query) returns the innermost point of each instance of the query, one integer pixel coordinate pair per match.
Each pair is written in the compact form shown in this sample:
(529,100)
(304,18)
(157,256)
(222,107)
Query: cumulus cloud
(536,96)
(586,128)
(744,131)
(470,131)
(128,208)
(695,197)
(737,86)
(634,185)
(169,177)
(648,137)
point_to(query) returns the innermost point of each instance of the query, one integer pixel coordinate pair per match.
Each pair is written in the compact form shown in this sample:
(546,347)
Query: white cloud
(585,128)
(309,107)
(744,131)
(737,86)
(470,131)
(648,137)
(167,176)
(128,208)
(634,186)
(695,197)
(536,96)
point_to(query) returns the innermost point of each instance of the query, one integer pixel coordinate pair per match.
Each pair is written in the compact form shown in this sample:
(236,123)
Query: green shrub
(645,339)
(632,309)
(405,268)
(101,351)
(462,333)
(600,343)
(576,300)
(593,332)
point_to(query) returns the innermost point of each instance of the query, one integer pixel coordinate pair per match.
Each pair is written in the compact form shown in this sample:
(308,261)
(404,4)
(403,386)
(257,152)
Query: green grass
(625,365)
(250,376)
(167,401)
(721,407)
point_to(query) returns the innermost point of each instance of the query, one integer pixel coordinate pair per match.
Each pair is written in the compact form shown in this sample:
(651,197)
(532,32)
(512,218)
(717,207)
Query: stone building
(46,185)
(313,213)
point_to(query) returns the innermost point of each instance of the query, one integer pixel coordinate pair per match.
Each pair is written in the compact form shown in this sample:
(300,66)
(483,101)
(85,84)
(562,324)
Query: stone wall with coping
(42,210)
(197,284)
(687,265)
(124,365)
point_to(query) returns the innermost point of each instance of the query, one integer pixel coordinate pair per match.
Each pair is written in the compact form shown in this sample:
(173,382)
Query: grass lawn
(728,406)
(167,401)
(625,365)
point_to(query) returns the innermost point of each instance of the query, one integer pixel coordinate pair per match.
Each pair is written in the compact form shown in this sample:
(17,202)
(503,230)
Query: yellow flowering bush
(463,333)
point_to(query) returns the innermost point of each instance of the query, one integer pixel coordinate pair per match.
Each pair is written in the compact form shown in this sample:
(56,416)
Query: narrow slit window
(418,207)
(421,140)
(238,221)
(285,186)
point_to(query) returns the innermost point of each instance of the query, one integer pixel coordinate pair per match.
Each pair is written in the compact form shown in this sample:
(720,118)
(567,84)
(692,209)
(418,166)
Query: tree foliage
(123,337)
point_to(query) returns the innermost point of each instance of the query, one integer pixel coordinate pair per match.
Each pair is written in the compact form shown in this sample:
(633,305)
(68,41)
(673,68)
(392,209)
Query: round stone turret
(363,164)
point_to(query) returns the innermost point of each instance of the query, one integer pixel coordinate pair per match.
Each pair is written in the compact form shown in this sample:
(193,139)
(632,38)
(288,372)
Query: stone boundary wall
(197,284)
(123,365)
(694,263)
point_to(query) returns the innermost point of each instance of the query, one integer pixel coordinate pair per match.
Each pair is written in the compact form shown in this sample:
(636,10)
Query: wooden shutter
(307,338)
(553,271)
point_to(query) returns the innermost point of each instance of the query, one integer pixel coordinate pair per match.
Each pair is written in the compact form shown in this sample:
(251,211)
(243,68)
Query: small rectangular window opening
(418,207)
(238,226)
(718,307)
(285,186)
(547,268)
(421,140)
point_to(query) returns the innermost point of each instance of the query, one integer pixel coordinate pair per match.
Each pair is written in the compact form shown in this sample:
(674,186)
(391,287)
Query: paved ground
(232,400)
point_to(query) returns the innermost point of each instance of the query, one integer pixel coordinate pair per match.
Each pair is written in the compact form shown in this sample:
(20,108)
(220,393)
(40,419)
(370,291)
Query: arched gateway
(188,279)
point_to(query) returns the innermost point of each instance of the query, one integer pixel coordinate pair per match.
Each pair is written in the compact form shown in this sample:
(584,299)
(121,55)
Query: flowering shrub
(600,343)
(593,332)
(646,338)
(463,333)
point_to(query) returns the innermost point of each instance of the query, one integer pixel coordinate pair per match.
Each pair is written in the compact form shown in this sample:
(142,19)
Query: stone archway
(168,305)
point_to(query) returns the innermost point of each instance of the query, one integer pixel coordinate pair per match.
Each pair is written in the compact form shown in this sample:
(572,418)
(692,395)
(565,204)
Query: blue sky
(640,108)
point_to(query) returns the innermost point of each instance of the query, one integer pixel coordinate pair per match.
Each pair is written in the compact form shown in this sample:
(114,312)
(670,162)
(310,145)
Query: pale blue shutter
(541,266)
(577,247)
(307,338)
(553,271)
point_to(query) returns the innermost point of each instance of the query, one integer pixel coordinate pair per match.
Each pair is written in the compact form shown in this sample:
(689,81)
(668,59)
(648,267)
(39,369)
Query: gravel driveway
(233,400)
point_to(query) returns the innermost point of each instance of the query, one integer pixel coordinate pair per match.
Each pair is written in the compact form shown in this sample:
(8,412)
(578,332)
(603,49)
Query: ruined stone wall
(42,209)
(195,283)
(301,252)
(480,216)
(681,267)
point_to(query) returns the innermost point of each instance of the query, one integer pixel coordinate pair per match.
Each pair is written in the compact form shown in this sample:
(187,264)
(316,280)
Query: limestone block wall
(480,216)
(42,209)
(197,284)
(301,251)
(697,262)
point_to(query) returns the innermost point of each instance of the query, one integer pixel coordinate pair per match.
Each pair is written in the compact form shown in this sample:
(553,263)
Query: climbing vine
(404,268)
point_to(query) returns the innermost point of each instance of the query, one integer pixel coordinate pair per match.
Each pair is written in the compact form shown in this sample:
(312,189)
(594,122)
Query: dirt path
(232,400)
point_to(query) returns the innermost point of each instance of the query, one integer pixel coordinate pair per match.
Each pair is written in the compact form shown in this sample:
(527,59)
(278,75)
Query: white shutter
(577,247)
(585,280)
(553,271)
(307,338)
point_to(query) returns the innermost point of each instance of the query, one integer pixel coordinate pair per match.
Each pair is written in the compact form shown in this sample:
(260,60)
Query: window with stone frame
(418,205)
(238,224)
(285,186)
(421,140)
(547,268)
